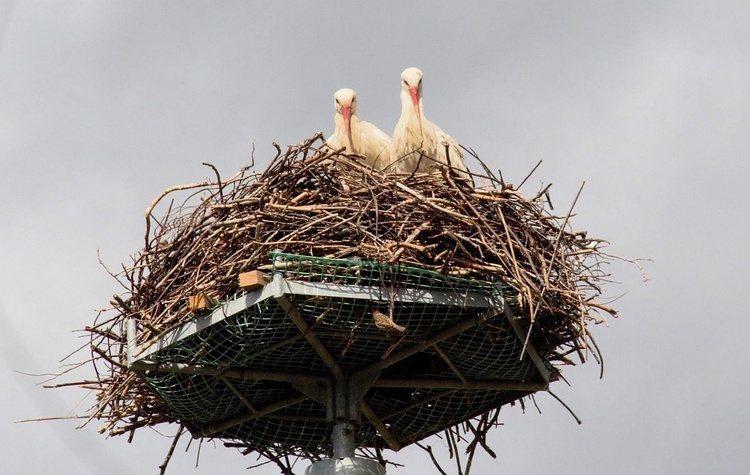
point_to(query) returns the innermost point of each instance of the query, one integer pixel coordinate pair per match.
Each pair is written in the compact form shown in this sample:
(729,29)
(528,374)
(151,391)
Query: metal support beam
(449,362)
(236,373)
(220,426)
(239,394)
(311,338)
(472,385)
(535,358)
(420,402)
(378,424)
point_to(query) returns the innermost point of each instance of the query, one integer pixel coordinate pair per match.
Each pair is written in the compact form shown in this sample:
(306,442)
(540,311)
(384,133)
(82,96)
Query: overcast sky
(105,104)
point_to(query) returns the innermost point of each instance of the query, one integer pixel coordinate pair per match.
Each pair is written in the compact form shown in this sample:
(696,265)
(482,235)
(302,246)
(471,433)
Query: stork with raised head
(418,144)
(358,136)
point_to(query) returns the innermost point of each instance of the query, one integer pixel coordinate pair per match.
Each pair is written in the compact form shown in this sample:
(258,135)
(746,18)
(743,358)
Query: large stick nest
(313,201)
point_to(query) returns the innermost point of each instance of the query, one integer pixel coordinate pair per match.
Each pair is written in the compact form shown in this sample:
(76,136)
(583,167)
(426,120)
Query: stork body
(358,136)
(418,144)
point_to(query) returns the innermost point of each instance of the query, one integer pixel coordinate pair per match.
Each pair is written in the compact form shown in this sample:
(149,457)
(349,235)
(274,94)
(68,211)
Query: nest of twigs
(313,201)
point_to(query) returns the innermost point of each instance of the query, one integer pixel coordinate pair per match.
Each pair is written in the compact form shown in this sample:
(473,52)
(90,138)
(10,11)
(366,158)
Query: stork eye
(406,83)
(337,102)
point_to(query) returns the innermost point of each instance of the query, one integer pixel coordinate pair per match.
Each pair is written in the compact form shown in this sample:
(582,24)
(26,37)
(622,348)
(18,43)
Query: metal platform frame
(341,392)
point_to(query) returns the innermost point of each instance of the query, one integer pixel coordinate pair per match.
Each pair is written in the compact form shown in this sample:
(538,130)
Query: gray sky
(105,104)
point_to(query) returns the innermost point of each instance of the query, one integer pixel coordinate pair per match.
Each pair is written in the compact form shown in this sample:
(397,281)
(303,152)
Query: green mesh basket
(246,372)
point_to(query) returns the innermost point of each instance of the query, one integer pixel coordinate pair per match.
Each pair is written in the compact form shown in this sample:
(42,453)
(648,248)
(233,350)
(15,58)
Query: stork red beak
(346,111)
(414,92)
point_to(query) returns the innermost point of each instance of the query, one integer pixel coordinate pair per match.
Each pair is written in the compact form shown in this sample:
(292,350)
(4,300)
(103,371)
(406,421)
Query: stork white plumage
(358,136)
(415,136)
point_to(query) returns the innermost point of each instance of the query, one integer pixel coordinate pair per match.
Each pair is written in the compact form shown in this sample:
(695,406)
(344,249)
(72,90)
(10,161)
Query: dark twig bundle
(313,201)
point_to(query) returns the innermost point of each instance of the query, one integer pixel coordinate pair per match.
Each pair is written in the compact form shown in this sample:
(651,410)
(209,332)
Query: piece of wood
(201,301)
(252,280)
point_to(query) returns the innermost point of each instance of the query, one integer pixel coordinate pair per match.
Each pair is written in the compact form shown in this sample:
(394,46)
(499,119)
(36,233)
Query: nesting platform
(277,366)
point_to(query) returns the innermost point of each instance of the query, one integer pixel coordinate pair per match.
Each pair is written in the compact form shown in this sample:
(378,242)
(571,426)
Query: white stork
(358,136)
(415,136)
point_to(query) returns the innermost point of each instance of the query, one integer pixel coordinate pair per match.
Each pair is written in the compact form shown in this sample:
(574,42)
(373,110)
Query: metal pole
(346,414)
(343,440)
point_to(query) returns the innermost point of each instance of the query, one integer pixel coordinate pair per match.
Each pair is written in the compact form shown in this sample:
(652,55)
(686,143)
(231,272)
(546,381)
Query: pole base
(346,466)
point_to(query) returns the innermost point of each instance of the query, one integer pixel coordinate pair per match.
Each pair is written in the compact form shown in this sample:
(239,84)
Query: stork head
(411,82)
(345,103)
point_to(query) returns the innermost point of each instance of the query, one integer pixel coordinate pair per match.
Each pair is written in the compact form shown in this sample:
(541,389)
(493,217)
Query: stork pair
(418,145)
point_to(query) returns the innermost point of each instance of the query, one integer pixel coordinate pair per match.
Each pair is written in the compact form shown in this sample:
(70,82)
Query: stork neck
(408,111)
(353,124)
(340,132)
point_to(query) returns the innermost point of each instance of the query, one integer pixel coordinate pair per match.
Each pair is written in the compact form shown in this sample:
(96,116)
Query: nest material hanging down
(317,202)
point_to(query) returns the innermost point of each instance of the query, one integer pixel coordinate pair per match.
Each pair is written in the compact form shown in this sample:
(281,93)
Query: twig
(529,175)
(428,449)
(218,179)
(566,407)
(549,267)
(163,466)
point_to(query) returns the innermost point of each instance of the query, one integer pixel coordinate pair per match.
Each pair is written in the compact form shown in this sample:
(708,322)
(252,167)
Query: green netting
(264,337)
(359,272)
(195,398)
(305,422)
(416,421)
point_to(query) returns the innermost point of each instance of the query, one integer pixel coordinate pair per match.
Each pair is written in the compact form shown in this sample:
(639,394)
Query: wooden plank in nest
(201,301)
(252,280)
